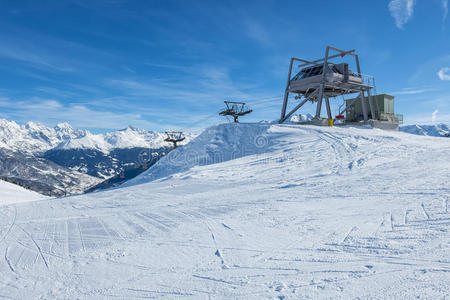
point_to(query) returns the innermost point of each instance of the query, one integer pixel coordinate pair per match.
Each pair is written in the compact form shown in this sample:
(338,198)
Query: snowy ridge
(284,212)
(33,137)
(440,130)
(37,138)
(11,194)
(129,137)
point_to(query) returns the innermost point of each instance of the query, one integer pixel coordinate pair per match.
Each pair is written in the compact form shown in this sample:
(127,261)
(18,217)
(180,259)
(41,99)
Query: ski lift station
(320,80)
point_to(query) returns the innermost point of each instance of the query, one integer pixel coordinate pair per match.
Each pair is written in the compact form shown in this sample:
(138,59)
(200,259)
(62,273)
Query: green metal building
(383,105)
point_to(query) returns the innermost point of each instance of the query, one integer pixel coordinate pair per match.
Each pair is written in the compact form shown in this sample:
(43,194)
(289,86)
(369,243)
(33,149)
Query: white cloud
(444,9)
(444,74)
(424,118)
(434,115)
(401,11)
(257,32)
(412,91)
(51,112)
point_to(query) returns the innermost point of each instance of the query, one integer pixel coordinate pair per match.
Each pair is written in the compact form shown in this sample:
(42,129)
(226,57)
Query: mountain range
(61,160)
(439,130)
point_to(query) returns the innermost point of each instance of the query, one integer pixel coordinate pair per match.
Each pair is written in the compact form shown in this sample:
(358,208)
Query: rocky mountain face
(41,175)
(103,165)
(62,160)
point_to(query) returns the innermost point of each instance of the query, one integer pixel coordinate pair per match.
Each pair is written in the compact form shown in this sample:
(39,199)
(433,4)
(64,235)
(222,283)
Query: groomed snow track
(247,211)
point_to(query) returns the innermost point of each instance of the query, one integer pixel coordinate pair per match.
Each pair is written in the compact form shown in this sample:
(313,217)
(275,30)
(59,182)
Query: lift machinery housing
(319,80)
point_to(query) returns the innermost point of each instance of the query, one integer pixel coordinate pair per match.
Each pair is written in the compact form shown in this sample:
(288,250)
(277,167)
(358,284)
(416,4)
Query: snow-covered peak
(133,137)
(31,137)
(130,128)
(88,141)
(34,126)
(11,124)
(64,127)
(66,132)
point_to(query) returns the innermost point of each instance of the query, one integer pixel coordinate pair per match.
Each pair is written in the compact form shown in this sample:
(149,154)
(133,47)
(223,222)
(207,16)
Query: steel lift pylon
(174,137)
(331,81)
(235,109)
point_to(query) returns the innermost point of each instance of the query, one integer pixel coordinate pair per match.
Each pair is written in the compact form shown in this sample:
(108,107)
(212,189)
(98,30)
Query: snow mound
(440,130)
(216,144)
(301,118)
(11,193)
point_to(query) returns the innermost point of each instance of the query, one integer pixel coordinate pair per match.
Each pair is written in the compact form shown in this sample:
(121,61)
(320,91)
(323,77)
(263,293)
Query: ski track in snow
(317,213)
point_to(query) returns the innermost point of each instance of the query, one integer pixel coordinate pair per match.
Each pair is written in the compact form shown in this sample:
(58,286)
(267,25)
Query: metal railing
(367,79)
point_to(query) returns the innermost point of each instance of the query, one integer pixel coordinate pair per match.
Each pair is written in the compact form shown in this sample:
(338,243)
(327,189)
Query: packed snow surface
(11,193)
(249,211)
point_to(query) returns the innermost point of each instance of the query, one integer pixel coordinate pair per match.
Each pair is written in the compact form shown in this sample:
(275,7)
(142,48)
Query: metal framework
(327,84)
(174,137)
(235,109)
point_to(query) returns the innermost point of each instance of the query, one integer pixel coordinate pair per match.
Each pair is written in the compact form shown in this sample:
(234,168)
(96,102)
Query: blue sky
(158,65)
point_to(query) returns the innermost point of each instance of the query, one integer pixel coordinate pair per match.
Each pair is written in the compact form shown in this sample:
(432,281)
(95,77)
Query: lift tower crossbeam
(174,137)
(235,109)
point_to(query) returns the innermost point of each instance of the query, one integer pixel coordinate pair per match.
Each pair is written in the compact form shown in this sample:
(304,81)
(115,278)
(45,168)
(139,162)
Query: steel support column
(293,110)
(327,102)
(364,107)
(372,107)
(286,93)
(319,102)
(322,83)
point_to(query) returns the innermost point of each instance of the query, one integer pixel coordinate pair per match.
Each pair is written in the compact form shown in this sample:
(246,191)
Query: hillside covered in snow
(248,211)
(12,194)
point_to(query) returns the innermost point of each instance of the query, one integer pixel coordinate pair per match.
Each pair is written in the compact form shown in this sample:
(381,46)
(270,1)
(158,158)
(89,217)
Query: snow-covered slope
(440,130)
(282,212)
(11,193)
(216,144)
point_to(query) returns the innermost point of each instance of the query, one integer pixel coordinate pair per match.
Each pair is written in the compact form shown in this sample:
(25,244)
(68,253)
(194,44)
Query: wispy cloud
(47,53)
(425,118)
(199,86)
(444,74)
(401,11)
(444,9)
(51,112)
(434,115)
(413,91)
(257,32)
